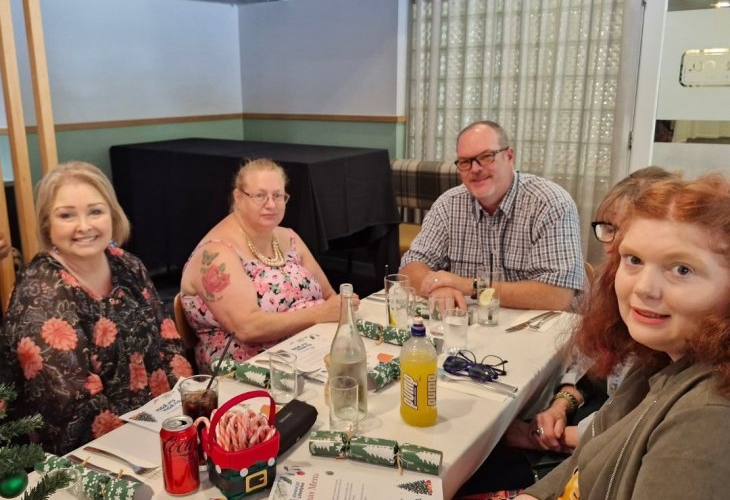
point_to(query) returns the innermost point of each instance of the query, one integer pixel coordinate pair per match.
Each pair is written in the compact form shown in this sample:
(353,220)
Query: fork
(536,324)
(138,469)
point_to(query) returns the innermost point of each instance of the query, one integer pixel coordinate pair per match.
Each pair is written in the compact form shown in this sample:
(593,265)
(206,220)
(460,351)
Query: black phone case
(293,421)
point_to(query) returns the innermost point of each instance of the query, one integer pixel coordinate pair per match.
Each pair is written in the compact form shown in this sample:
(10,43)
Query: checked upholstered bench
(417,184)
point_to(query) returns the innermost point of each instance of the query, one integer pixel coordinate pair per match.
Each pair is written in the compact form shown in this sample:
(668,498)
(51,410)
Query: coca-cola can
(179,442)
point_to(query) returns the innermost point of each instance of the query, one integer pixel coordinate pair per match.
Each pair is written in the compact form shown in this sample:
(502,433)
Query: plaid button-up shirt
(533,235)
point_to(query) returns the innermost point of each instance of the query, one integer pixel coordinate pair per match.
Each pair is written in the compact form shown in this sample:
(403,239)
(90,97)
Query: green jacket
(660,437)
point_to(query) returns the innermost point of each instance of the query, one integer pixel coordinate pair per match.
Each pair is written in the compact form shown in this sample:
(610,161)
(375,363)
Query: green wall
(93,145)
(388,136)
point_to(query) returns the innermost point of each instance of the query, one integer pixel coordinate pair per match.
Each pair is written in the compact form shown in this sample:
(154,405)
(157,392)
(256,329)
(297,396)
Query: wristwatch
(474,289)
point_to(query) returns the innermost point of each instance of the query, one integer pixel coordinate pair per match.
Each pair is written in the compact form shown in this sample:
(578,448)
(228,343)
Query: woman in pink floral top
(85,338)
(247,270)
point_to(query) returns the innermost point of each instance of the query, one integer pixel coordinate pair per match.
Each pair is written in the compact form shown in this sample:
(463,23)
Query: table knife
(525,324)
(102,470)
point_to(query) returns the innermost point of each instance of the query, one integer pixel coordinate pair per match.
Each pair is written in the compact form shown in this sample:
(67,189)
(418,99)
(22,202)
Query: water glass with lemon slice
(488,295)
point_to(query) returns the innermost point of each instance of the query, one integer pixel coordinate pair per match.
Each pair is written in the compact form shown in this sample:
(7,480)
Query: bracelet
(572,401)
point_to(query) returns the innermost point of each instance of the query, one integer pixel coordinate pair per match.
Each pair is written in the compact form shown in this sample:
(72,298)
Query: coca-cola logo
(175,446)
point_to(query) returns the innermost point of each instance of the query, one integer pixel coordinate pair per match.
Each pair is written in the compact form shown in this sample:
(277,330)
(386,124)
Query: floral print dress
(286,288)
(81,360)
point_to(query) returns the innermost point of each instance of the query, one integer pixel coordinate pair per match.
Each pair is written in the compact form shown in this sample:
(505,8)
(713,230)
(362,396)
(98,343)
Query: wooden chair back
(189,337)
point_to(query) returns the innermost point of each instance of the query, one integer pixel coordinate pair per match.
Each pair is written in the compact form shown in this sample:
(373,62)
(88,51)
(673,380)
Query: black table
(342,202)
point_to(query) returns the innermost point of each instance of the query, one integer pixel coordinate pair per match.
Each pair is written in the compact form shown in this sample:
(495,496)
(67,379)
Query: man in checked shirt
(499,218)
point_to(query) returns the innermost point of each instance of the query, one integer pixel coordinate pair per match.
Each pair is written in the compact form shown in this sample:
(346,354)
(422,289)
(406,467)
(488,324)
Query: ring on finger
(539,431)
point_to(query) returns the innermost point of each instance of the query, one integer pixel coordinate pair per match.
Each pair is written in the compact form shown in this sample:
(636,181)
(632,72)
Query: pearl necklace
(278,259)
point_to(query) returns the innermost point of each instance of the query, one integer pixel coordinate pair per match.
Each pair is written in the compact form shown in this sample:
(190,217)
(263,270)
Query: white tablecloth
(471,419)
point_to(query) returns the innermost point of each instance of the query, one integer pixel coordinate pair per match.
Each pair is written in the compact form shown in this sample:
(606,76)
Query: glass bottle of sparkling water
(347,354)
(418,378)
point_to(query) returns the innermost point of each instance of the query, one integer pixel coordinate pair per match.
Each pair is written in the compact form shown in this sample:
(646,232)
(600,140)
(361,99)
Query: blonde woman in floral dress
(250,277)
(85,338)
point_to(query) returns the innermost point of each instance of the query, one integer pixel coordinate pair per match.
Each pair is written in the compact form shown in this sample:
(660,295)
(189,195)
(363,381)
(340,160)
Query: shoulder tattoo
(215,279)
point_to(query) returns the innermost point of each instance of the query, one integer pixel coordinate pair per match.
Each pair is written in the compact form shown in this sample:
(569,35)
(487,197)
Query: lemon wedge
(486,296)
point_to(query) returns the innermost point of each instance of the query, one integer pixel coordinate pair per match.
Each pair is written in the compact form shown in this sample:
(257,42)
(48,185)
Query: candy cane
(240,429)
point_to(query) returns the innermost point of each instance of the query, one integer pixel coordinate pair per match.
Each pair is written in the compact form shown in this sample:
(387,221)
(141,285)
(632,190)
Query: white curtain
(546,70)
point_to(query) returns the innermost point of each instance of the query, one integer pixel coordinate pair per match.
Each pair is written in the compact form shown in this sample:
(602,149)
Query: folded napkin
(97,486)
(375,451)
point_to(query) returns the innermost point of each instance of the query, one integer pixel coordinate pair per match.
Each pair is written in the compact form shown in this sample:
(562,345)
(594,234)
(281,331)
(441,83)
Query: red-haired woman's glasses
(605,232)
(465,363)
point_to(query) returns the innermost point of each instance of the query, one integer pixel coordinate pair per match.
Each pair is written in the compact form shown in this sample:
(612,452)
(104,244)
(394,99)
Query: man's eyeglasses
(487,370)
(605,232)
(261,198)
(483,159)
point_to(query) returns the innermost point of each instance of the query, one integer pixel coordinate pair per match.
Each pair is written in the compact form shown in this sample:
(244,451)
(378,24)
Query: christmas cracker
(372,450)
(375,451)
(380,333)
(378,377)
(421,309)
(383,374)
(95,485)
(389,334)
(253,374)
(223,367)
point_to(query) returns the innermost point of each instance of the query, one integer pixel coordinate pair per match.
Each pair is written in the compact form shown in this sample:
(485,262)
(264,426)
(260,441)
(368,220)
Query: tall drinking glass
(199,395)
(402,303)
(456,328)
(489,290)
(394,285)
(439,302)
(283,377)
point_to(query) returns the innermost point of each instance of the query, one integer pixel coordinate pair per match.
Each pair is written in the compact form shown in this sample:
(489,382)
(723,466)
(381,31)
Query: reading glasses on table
(487,370)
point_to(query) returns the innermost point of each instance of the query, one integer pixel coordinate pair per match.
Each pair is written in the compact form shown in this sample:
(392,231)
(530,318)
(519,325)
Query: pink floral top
(286,288)
(80,360)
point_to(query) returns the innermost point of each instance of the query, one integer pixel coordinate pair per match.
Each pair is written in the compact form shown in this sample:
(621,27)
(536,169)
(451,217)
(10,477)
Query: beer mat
(151,415)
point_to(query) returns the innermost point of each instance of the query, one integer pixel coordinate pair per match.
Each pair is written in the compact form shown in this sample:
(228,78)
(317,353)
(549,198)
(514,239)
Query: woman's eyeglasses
(261,198)
(604,232)
(487,370)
